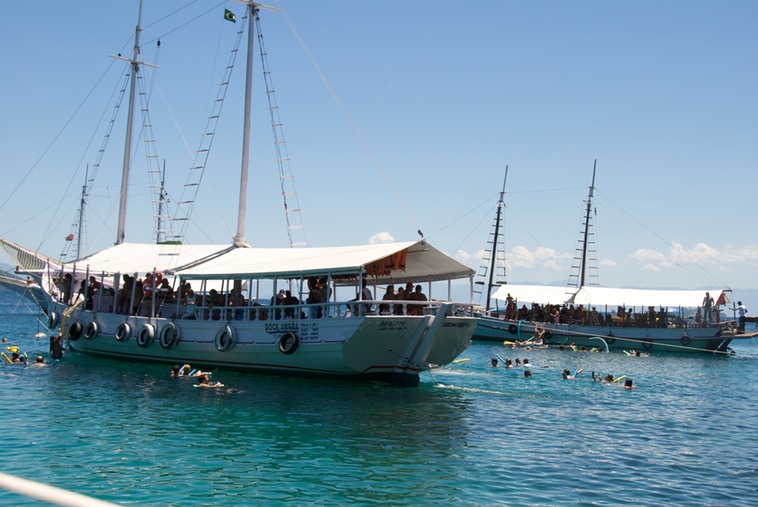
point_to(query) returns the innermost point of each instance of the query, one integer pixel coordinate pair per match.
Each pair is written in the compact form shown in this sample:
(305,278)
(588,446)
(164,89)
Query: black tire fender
(169,336)
(145,335)
(75,331)
(288,343)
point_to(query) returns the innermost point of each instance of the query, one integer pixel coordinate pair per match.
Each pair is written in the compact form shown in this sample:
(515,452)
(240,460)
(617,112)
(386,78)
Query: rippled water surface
(470,434)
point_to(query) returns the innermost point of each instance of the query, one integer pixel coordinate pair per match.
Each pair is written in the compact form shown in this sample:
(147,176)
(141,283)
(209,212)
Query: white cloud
(462,256)
(650,260)
(699,255)
(381,237)
(541,258)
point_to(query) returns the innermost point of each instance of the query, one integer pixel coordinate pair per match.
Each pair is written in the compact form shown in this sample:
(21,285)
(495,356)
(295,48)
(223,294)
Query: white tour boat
(288,311)
(590,316)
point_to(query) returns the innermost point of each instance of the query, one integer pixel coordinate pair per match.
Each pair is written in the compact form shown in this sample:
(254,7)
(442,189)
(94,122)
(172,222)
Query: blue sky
(441,96)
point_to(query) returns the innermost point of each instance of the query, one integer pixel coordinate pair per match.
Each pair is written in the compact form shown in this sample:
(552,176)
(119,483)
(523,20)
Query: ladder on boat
(584,270)
(186,202)
(295,227)
(491,271)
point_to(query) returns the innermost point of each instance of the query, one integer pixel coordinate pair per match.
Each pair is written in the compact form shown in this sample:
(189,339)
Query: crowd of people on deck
(709,312)
(409,293)
(581,315)
(136,296)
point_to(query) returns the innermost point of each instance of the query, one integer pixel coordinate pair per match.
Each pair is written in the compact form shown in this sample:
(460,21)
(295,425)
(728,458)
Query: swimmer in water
(204,380)
(568,376)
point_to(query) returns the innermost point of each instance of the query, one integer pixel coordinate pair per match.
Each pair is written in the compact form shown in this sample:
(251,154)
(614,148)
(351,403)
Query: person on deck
(366,296)
(186,294)
(124,295)
(707,305)
(417,295)
(389,295)
(66,286)
(742,312)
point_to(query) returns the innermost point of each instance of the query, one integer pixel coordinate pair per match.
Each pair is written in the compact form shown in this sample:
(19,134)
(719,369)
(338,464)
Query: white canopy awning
(420,262)
(143,258)
(389,262)
(602,296)
(596,296)
(542,294)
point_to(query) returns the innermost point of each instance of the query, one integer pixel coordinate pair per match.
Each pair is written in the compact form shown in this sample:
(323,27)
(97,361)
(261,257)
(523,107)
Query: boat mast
(129,123)
(80,227)
(160,234)
(585,240)
(239,238)
(493,256)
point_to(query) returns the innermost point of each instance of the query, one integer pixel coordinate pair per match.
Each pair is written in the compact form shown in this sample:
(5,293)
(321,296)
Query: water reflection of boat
(325,324)
(590,316)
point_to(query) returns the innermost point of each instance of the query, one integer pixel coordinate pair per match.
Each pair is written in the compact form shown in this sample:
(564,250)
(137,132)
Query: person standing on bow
(741,313)
(707,305)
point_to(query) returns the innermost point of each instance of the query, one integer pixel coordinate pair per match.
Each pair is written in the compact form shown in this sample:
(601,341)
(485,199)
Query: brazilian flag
(229,16)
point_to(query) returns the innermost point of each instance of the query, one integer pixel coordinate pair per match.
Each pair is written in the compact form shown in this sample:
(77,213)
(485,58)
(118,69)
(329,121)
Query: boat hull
(388,348)
(688,339)
(31,290)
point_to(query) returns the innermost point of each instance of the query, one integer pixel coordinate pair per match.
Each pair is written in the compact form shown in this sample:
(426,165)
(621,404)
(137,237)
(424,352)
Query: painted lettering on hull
(456,324)
(392,325)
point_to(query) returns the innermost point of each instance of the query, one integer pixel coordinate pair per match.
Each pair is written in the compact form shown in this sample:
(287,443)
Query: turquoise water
(470,434)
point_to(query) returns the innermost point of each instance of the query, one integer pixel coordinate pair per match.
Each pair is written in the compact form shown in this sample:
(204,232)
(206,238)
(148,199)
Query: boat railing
(615,321)
(202,309)
(302,311)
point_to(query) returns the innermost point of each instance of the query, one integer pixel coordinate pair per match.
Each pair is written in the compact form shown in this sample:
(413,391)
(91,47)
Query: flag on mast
(229,16)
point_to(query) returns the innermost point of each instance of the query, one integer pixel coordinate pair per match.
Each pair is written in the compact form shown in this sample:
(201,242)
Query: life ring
(75,331)
(226,338)
(91,330)
(169,335)
(685,340)
(123,331)
(145,335)
(52,320)
(512,329)
(288,343)
(647,344)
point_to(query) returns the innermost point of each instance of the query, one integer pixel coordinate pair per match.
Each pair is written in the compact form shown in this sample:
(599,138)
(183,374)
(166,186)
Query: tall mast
(80,227)
(129,123)
(585,240)
(493,255)
(239,238)
(160,235)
